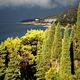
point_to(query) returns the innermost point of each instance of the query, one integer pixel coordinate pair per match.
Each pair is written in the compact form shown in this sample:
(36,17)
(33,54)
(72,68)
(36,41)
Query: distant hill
(68,16)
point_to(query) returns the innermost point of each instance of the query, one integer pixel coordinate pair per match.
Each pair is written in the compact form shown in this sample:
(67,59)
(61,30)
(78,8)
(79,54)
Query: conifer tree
(57,44)
(78,16)
(45,52)
(39,59)
(51,74)
(72,39)
(65,63)
(77,36)
(13,70)
(76,43)
(46,49)
(2,61)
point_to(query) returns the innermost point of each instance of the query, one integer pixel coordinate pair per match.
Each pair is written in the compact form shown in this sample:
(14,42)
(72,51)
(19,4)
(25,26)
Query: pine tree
(65,63)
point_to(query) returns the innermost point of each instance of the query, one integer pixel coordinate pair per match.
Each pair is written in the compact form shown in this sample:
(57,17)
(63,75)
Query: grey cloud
(32,3)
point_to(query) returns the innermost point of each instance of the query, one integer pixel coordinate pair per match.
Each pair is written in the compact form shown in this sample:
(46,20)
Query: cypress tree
(76,42)
(78,16)
(40,59)
(57,44)
(47,45)
(51,74)
(65,63)
(46,51)
(77,37)
(72,47)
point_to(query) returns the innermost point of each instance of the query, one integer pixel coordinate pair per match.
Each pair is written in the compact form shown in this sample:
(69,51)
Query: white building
(50,20)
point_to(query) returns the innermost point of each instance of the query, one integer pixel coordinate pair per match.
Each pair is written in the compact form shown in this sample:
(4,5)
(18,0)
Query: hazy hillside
(67,16)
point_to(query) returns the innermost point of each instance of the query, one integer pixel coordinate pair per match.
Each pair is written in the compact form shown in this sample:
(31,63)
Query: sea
(8,30)
(10,18)
(16,30)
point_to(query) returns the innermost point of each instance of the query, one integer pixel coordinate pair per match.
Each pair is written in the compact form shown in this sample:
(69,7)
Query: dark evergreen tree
(65,63)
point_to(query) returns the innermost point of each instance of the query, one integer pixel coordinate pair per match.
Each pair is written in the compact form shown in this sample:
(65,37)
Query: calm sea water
(15,29)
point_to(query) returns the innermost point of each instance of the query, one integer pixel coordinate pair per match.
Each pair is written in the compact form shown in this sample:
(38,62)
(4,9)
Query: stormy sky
(13,11)
(33,3)
(16,10)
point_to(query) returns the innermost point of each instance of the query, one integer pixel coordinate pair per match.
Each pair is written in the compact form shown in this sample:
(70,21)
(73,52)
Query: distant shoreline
(35,23)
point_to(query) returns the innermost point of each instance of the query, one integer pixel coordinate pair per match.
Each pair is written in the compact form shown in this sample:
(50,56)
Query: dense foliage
(65,63)
(17,60)
(42,55)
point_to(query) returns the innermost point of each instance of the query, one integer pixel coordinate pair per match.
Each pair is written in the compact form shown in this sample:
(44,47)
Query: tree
(39,58)
(13,70)
(46,49)
(2,61)
(76,42)
(72,48)
(78,16)
(57,44)
(65,63)
(32,43)
(77,36)
(31,38)
(51,74)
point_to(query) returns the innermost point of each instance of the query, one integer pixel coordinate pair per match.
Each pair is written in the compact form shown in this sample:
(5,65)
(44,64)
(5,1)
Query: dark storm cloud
(32,3)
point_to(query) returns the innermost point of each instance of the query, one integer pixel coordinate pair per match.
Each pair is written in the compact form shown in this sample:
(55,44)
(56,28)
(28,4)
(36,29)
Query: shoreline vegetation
(68,16)
(43,54)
